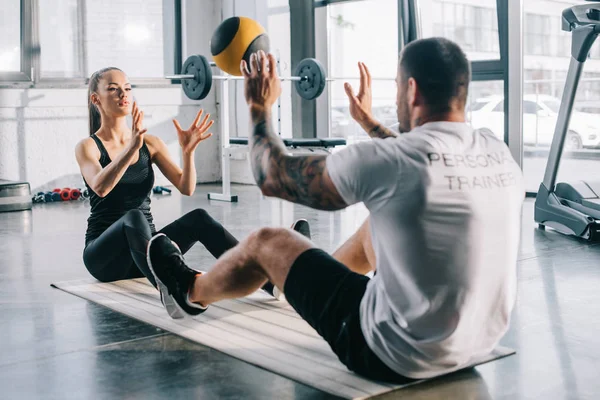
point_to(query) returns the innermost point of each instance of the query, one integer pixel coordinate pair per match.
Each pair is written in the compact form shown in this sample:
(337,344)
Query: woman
(116,164)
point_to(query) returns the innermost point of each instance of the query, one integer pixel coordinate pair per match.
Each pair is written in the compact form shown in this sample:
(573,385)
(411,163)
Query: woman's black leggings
(120,251)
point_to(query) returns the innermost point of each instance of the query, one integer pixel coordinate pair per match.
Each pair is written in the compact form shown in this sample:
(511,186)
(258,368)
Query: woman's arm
(103,180)
(183,179)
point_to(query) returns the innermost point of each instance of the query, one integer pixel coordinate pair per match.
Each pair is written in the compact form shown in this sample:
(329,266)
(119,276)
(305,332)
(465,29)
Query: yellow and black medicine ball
(235,39)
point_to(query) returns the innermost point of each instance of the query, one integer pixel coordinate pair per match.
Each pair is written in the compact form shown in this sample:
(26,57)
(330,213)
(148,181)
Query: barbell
(310,78)
(197,77)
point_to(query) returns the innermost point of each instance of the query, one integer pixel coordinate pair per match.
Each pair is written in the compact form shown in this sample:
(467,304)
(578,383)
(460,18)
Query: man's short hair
(441,70)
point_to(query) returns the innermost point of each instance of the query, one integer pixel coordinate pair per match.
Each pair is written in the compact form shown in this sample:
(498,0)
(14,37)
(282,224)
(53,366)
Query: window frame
(30,73)
(28,38)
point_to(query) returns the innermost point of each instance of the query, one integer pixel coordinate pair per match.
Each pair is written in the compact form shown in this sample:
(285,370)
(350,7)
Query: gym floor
(56,345)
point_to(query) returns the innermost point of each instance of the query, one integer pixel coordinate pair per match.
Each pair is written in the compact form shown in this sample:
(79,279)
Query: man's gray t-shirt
(445,216)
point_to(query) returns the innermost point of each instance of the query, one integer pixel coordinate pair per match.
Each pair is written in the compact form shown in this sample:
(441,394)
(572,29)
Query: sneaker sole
(173,309)
(169,305)
(299,222)
(278,294)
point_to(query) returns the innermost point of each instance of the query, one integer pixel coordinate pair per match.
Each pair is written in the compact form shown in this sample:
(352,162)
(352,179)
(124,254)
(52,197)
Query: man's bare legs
(267,254)
(357,252)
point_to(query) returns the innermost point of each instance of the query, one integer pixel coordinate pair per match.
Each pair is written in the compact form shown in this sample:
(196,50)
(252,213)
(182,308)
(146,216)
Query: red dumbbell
(75,194)
(65,194)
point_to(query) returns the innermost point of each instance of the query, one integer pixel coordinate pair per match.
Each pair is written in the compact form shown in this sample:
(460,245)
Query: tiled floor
(55,345)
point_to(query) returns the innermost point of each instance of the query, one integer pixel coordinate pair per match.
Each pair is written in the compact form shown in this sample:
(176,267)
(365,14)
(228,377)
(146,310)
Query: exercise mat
(257,329)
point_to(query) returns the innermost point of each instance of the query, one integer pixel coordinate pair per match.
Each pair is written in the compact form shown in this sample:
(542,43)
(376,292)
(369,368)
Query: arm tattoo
(299,179)
(381,132)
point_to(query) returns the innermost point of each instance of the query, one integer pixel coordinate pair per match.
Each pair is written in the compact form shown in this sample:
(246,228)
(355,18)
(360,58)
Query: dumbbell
(66,194)
(52,196)
(75,194)
(160,190)
(38,198)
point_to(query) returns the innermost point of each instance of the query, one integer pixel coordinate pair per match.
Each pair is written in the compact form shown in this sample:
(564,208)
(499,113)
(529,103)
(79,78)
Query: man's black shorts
(327,295)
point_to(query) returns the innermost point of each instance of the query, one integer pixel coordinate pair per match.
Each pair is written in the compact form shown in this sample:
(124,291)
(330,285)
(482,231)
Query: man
(443,230)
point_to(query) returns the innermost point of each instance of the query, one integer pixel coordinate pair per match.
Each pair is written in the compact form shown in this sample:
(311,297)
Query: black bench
(300,142)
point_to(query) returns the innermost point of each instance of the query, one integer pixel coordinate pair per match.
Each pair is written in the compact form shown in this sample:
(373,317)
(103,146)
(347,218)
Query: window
(589,89)
(351,40)
(273,4)
(529,107)
(473,27)
(131,39)
(553,105)
(77,38)
(489,112)
(10,34)
(499,107)
(538,29)
(541,81)
(477,105)
(539,32)
(61,41)
(544,35)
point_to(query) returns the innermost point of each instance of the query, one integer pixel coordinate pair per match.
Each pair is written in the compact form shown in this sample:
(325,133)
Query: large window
(352,39)
(473,25)
(75,38)
(10,34)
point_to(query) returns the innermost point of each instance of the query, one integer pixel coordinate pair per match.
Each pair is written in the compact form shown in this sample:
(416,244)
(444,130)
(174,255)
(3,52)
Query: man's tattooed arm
(381,132)
(299,179)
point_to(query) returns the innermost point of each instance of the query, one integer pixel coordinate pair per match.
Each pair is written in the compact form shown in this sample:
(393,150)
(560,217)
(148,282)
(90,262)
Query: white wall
(40,126)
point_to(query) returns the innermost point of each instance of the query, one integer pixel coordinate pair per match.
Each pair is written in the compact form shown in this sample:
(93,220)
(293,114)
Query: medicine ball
(235,39)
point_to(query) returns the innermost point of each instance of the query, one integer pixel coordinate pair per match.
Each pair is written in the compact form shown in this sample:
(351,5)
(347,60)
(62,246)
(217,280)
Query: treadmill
(571,208)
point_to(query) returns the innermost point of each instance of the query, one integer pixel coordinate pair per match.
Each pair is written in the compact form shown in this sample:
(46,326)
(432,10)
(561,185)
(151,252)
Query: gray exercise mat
(256,329)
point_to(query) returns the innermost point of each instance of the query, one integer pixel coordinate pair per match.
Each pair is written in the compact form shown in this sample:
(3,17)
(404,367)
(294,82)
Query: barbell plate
(313,86)
(199,87)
